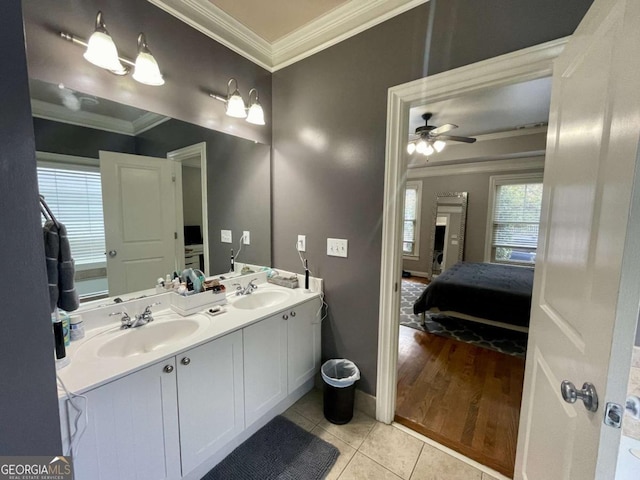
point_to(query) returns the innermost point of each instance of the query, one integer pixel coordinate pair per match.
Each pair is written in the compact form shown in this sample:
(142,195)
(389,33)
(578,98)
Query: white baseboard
(415,273)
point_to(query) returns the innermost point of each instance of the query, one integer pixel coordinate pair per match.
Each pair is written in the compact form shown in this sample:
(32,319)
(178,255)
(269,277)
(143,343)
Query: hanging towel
(60,268)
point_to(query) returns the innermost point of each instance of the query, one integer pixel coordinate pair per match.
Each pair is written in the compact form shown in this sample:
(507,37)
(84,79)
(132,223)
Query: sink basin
(147,338)
(261,300)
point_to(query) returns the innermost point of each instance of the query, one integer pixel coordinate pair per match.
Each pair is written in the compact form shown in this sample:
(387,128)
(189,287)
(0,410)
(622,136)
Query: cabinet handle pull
(186,361)
(293,314)
(285,316)
(168,369)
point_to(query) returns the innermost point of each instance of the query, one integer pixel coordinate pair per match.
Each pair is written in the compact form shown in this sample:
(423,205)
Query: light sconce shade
(146,69)
(101,51)
(235,103)
(256,114)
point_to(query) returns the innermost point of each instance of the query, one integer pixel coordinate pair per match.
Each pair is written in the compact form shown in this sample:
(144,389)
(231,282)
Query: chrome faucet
(249,289)
(139,320)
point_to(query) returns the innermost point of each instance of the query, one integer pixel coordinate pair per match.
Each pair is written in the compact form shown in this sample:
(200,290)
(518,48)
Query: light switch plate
(247,237)
(337,247)
(302,243)
(225,236)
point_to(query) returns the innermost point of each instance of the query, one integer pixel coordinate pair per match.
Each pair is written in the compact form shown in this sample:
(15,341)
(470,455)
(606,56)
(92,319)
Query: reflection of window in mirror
(74,193)
(411,232)
(513,218)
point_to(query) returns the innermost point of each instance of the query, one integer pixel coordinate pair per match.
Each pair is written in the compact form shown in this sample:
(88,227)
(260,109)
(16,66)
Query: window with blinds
(516,218)
(411,230)
(74,195)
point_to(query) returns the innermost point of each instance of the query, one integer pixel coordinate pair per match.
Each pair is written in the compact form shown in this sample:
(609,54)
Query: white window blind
(516,219)
(74,195)
(411,219)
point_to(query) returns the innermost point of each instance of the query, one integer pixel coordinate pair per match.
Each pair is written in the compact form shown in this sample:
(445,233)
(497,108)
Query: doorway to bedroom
(461,352)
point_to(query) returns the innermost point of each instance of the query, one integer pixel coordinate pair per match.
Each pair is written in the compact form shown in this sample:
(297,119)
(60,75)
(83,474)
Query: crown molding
(58,113)
(333,27)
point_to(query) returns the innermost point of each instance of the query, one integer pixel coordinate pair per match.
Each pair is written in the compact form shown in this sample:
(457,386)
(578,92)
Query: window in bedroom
(411,232)
(513,218)
(74,194)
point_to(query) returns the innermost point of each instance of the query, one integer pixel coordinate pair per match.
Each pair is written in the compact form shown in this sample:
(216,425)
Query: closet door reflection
(447,231)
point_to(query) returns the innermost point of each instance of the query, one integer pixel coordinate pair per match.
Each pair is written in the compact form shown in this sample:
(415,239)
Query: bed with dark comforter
(500,293)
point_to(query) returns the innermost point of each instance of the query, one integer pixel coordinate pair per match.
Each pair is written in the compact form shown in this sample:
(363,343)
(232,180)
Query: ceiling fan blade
(456,139)
(442,129)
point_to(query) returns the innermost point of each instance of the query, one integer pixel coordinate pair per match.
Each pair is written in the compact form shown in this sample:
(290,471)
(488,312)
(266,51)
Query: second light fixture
(235,106)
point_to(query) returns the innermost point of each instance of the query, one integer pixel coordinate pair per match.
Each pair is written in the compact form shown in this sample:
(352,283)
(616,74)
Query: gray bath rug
(494,338)
(280,450)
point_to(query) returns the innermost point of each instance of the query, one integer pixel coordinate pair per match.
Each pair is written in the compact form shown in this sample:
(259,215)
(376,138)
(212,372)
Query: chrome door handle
(588,394)
(113,253)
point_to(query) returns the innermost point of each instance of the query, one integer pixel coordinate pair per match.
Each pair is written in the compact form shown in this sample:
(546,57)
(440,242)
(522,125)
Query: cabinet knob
(285,316)
(185,361)
(293,314)
(168,369)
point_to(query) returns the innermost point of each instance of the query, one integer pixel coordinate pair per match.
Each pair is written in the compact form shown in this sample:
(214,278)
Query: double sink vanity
(171,398)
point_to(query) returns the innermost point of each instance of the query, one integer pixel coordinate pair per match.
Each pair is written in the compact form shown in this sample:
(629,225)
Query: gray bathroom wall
(329,143)
(477,186)
(29,422)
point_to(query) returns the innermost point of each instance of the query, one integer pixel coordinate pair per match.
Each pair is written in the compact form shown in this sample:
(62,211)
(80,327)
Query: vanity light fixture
(102,52)
(235,106)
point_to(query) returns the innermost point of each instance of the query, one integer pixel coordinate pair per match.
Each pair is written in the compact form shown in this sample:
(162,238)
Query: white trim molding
(417,186)
(333,27)
(527,64)
(508,165)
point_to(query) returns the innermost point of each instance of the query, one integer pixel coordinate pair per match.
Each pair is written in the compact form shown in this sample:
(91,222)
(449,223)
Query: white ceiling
(489,111)
(277,33)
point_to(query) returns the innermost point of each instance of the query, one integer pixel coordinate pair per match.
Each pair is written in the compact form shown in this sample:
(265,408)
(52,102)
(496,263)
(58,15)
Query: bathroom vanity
(171,401)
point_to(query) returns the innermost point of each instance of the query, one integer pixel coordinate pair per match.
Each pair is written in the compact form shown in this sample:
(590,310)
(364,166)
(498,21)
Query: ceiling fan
(430,139)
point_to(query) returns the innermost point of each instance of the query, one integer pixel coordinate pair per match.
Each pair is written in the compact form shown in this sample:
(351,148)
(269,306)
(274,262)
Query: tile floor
(373,450)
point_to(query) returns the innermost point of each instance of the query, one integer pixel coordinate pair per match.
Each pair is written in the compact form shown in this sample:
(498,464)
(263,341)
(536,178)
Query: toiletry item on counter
(233,264)
(76,327)
(64,317)
(58,336)
(246,270)
(213,311)
(289,282)
(182,289)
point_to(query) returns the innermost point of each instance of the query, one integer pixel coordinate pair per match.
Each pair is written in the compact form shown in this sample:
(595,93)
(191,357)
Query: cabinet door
(265,366)
(210,397)
(133,428)
(304,343)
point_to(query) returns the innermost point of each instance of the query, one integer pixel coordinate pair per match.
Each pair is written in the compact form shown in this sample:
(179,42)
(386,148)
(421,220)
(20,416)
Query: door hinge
(175,235)
(395,287)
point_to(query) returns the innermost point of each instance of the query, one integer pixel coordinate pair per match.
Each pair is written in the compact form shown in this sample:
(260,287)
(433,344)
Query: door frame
(523,65)
(179,155)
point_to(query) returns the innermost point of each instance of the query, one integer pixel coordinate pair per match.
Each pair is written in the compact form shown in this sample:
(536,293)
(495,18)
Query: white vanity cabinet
(132,430)
(210,398)
(303,327)
(265,366)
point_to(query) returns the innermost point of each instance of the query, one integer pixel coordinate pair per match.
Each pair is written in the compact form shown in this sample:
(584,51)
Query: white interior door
(139,198)
(585,298)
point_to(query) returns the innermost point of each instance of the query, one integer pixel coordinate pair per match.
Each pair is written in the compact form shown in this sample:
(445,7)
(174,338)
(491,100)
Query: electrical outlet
(225,236)
(247,237)
(337,247)
(302,243)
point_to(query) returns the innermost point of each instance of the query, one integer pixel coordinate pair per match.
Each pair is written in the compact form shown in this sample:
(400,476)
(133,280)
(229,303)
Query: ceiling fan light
(421,147)
(429,150)
(439,145)
(411,148)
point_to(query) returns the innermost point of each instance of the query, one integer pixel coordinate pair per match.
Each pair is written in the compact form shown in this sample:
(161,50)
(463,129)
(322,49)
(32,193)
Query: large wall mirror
(143,195)
(447,231)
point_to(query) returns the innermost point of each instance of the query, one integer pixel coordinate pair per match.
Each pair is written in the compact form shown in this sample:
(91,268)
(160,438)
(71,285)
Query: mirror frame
(463,225)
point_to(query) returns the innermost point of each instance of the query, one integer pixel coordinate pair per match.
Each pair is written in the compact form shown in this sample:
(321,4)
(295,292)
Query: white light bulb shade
(429,150)
(256,114)
(102,52)
(235,106)
(421,147)
(411,148)
(147,71)
(439,145)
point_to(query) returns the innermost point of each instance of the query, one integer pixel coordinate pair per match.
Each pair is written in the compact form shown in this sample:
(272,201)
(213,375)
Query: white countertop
(87,370)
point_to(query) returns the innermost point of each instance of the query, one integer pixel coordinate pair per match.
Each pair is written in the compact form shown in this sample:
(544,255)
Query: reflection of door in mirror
(447,231)
(141,196)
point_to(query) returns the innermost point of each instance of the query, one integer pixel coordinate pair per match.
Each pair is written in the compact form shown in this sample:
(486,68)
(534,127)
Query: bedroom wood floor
(464,397)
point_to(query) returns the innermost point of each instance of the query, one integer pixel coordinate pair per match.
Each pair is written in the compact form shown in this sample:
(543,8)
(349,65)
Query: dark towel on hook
(60,267)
